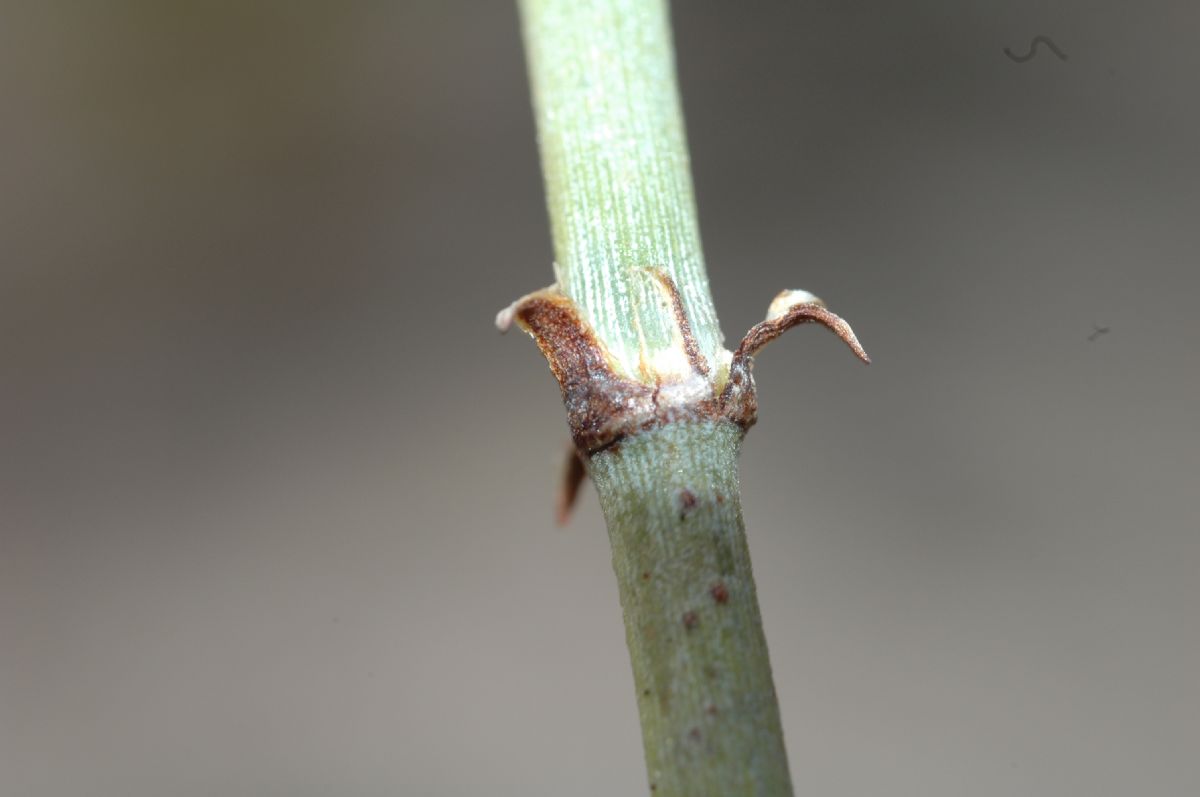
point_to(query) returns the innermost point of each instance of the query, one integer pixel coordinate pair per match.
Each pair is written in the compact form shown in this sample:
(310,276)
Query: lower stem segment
(710,717)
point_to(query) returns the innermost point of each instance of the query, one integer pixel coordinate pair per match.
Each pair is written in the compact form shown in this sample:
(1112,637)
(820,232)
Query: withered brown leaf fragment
(801,313)
(784,315)
(600,404)
(574,472)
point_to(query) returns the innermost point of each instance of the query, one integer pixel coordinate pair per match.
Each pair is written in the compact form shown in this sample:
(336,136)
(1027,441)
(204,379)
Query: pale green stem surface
(618,178)
(710,718)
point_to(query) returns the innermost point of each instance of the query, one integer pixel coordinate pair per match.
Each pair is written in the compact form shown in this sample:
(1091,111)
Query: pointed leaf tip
(504,318)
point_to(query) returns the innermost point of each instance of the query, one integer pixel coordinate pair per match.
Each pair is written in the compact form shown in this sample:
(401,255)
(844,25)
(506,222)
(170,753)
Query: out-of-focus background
(276,499)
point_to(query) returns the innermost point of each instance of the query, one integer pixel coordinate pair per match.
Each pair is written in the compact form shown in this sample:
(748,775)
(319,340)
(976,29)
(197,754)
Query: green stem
(618,179)
(710,719)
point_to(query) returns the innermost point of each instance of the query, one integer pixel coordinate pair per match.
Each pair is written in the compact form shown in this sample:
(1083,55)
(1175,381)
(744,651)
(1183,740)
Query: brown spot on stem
(645,693)
(720,498)
(690,620)
(711,710)
(719,592)
(687,502)
(694,734)
(645,575)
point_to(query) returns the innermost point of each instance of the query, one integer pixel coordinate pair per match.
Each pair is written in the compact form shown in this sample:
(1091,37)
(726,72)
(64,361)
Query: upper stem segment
(618,181)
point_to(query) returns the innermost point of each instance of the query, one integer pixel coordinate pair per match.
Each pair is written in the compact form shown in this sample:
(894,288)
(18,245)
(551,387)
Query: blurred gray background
(276,499)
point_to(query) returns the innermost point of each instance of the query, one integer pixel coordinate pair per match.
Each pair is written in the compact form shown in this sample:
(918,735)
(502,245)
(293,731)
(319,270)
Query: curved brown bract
(600,404)
(802,313)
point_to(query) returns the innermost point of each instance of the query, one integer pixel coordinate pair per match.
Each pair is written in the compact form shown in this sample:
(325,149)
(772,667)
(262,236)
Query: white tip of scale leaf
(786,300)
(504,318)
